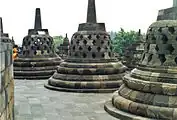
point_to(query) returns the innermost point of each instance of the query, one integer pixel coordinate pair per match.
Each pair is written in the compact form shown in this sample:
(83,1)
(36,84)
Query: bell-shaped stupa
(90,66)
(149,92)
(132,53)
(38,59)
(64,48)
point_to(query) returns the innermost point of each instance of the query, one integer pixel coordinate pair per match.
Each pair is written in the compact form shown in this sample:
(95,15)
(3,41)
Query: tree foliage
(123,39)
(57,41)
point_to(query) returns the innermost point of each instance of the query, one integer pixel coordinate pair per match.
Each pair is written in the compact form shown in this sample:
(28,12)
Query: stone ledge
(120,114)
(79,90)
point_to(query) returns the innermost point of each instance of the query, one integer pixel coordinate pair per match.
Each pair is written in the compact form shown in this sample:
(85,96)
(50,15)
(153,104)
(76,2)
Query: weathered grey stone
(6,76)
(91,65)
(132,53)
(152,83)
(38,59)
(63,49)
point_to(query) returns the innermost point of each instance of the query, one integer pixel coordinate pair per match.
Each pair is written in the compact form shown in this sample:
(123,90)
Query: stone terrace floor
(34,102)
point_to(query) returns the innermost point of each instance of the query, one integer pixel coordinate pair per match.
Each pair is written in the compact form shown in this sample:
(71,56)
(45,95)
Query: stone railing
(7,82)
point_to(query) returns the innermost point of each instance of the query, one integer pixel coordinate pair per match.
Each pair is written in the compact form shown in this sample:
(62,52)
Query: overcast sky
(63,16)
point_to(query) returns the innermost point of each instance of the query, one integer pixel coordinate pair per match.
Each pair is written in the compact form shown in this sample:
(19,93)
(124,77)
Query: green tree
(123,39)
(57,41)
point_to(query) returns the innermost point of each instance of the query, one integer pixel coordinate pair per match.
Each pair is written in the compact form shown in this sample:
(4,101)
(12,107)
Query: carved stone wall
(6,80)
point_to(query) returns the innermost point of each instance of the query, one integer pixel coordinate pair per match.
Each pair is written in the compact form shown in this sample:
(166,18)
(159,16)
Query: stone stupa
(38,59)
(64,48)
(149,91)
(90,66)
(4,36)
(132,53)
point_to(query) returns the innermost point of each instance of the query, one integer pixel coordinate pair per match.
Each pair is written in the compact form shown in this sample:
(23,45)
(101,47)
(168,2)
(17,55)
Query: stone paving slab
(34,102)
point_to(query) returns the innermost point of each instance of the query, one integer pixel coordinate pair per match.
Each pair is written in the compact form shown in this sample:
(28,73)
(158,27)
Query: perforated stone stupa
(91,66)
(38,59)
(169,13)
(149,91)
(64,48)
(133,53)
(4,36)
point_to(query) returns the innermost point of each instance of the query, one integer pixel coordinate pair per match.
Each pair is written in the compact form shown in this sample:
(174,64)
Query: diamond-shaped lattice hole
(160,29)
(171,30)
(176,60)
(81,37)
(85,42)
(84,55)
(162,58)
(32,47)
(77,42)
(153,37)
(108,43)
(103,55)
(48,51)
(45,47)
(156,48)
(98,36)
(102,42)
(150,57)
(38,48)
(143,57)
(170,48)
(80,48)
(93,55)
(109,54)
(94,42)
(98,48)
(35,52)
(147,37)
(148,46)
(89,37)
(89,48)
(47,42)
(164,39)
(75,36)
(111,48)
(42,52)
(105,37)
(76,55)
(38,40)
(74,48)
(71,42)
(150,29)
(106,48)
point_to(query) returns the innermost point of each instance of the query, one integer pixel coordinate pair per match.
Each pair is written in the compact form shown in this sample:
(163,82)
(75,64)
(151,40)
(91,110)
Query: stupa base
(44,77)
(110,90)
(109,108)
(35,68)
